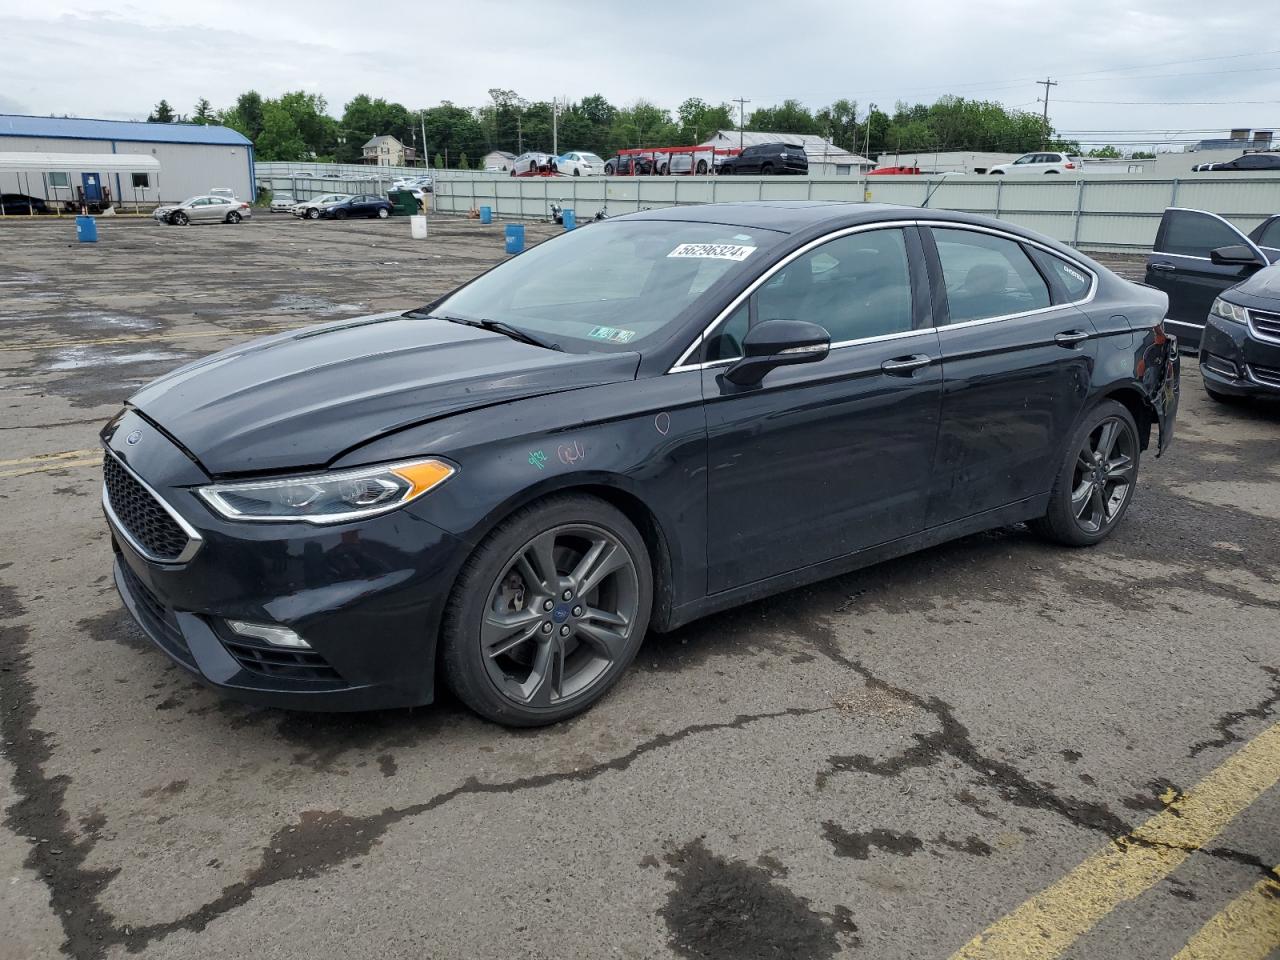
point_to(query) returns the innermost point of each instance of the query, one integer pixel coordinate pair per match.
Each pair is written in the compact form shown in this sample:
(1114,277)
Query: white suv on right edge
(1040,163)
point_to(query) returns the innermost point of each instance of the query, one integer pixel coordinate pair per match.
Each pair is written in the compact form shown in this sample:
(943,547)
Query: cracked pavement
(880,765)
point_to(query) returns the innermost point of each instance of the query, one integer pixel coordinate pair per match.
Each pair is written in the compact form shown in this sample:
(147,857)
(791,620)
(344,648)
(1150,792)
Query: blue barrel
(87,229)
(486,214)
(570,221)
(515,237)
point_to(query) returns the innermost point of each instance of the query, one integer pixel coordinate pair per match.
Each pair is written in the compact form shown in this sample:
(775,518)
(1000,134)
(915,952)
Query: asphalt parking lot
(995,748)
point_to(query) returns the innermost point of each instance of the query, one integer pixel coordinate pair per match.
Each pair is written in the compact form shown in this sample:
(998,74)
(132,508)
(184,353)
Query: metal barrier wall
(305,188)
(1107,212)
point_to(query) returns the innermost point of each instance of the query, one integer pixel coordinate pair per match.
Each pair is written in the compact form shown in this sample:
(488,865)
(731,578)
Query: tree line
(298,126)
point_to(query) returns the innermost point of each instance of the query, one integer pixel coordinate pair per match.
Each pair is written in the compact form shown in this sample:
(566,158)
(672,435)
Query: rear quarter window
(1073,280)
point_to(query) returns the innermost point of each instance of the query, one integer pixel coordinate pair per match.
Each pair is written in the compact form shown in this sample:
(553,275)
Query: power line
(742,118)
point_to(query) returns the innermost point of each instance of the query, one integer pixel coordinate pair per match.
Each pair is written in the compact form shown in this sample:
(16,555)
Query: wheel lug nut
(546,627)
(577,611)
(548,604)
(568,594)
(564,631)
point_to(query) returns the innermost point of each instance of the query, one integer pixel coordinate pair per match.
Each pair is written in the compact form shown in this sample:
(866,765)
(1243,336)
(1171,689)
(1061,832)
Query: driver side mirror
(1234,255)
(777,343)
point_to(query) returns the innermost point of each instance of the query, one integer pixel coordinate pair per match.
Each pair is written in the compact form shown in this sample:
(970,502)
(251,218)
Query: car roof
(793,216)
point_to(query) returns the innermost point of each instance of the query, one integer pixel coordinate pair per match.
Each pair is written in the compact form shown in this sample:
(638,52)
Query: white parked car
(310,209)
(530,162)
(579,164)
(283,203)
(1046,162)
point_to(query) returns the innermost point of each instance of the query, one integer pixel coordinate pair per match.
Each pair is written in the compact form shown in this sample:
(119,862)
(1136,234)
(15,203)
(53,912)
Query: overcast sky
(88,60)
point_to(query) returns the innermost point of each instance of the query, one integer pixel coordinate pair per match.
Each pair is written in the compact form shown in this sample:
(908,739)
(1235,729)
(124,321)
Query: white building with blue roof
(193,159)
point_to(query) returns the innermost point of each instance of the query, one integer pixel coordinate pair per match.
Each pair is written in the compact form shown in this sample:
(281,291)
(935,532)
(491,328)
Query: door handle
(905,366)
(1163,267)
(1070,338)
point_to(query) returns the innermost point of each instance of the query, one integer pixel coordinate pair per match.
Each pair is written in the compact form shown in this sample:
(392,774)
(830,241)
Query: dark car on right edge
(1224,298)
(767,159)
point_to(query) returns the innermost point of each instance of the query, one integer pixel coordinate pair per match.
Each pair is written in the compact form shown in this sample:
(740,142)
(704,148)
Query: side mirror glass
(1236,254)
(778,343)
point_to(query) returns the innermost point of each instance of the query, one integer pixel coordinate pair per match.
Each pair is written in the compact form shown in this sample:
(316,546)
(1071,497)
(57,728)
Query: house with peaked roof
(386,151)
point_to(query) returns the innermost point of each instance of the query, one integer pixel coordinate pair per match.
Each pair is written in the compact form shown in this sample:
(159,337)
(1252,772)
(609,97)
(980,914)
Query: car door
(1266,236)
(748,161)
(824,459)
(1016,372)
(1180,265)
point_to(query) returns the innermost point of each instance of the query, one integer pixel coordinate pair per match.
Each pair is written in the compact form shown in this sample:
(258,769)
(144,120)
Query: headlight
(1229,311)
(328,497)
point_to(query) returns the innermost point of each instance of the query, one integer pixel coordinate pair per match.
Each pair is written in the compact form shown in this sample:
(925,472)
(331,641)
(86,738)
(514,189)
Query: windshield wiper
(497,326)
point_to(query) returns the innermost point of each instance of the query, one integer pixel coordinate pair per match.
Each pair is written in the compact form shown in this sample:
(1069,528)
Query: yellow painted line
(58,465)
(42,457)
(1247,928)
(1049,923)
(144,338)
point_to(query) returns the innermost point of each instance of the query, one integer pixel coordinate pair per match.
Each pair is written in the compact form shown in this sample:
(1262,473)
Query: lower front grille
(1268,375)
(1220,365)
(280,663)
(157,619)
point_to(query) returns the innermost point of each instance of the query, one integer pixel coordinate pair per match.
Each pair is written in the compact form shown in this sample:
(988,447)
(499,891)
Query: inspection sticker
(713,251)
(612,334)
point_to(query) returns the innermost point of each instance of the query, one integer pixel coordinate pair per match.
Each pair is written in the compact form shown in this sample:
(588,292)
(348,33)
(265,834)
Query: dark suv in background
(768,159)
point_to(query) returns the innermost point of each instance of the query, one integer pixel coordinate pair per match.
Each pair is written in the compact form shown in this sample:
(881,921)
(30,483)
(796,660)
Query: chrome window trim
(1253,329)
(194,540)
(1191,256)
(681,365)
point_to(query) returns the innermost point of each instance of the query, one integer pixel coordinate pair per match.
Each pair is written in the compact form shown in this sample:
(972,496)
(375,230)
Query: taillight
(244,206)
(1071,166)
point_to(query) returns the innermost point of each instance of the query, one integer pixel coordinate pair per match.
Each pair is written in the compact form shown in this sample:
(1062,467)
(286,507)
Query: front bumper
(1236,363)
(367,596)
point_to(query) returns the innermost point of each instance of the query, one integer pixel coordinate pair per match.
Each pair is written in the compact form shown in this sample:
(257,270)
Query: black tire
(179,219)
(1052,172)
(482,589)
(726,170)
(766,170)
(1064,522)
(702,168)
(383,213)
(340,214)
(662,170)
(996,173)
(608,169)
(313,213)
(234,217)
(577,172)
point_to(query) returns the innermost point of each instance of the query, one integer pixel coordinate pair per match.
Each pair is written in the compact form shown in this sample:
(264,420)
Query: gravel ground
(882,765)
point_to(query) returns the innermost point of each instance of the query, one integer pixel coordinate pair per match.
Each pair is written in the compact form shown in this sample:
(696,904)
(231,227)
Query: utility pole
(422,119)
(742,118)
(1046,83)
(866,149)
(519,134)
(555,131)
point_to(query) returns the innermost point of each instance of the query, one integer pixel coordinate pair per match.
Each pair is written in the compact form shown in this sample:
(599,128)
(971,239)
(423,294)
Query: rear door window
(1192,233)
(987,276)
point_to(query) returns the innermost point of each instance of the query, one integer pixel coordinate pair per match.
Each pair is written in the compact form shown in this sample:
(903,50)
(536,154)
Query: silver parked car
(204,209)
(310,209)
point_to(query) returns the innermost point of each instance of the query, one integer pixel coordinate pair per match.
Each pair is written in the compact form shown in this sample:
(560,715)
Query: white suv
(1040,163)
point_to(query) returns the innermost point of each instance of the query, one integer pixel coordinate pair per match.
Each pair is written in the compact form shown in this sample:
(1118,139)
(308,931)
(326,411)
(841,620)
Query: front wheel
(702,167)
(382,213)
(313,213)
(548,612)
(179,219)
(340,214)
(1097,479)
(577,172)
(766,170)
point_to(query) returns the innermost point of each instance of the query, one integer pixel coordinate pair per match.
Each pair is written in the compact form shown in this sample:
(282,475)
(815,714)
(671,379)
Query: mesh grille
(260,657)
(141,514)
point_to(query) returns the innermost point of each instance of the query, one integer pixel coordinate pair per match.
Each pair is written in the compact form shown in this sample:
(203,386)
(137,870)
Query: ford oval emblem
(133,438)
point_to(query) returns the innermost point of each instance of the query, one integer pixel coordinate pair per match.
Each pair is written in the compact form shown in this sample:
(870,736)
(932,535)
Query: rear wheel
(382,213)
(1096,480)
(178,218)
(577,172)
(548,612)
(726,171)
(234,217)
(702,167)
(1047,172)
(766,170)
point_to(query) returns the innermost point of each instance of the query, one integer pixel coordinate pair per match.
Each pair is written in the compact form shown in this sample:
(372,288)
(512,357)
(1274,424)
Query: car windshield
(609,285)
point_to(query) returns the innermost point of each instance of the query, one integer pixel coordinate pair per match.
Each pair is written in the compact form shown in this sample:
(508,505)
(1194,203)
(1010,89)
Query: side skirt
(1002,516)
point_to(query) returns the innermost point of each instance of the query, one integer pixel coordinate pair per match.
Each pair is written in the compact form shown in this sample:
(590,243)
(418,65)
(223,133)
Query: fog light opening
(272,633)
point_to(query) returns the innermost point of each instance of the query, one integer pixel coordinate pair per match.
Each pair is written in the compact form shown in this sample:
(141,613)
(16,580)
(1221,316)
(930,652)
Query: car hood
(1264,285)
(301,399)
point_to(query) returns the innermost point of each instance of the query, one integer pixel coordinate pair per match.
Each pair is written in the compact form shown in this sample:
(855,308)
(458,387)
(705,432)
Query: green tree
(1142,155)
(366,117)
(1105,153)
(699,120)
(439,162)
(463,162)
(280,138)
(839,124)
(163,113)
(453,130)
(791,116)
(203,113)
(246,115)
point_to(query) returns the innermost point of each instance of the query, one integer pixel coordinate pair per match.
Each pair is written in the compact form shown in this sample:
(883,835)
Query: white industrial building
(192,159)
(825,158)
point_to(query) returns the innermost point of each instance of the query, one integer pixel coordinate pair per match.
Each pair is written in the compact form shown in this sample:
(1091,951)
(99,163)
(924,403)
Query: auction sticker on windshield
(612,334)
(713,251)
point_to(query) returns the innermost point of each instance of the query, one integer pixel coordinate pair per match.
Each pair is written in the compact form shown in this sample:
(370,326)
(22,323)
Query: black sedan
(361,205)
(621,430)
(1240,347)
(20,204)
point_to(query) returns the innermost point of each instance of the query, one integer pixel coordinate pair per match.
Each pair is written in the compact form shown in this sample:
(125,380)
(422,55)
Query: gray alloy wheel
(382,213)
(559,615)
(233,217)
(179,218)
(548,612)
(313,213)
(1097,481)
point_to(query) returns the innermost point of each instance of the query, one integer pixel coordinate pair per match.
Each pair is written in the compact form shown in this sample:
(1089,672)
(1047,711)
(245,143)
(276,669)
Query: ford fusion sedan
(619,431)
(361,205)
(204,209)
